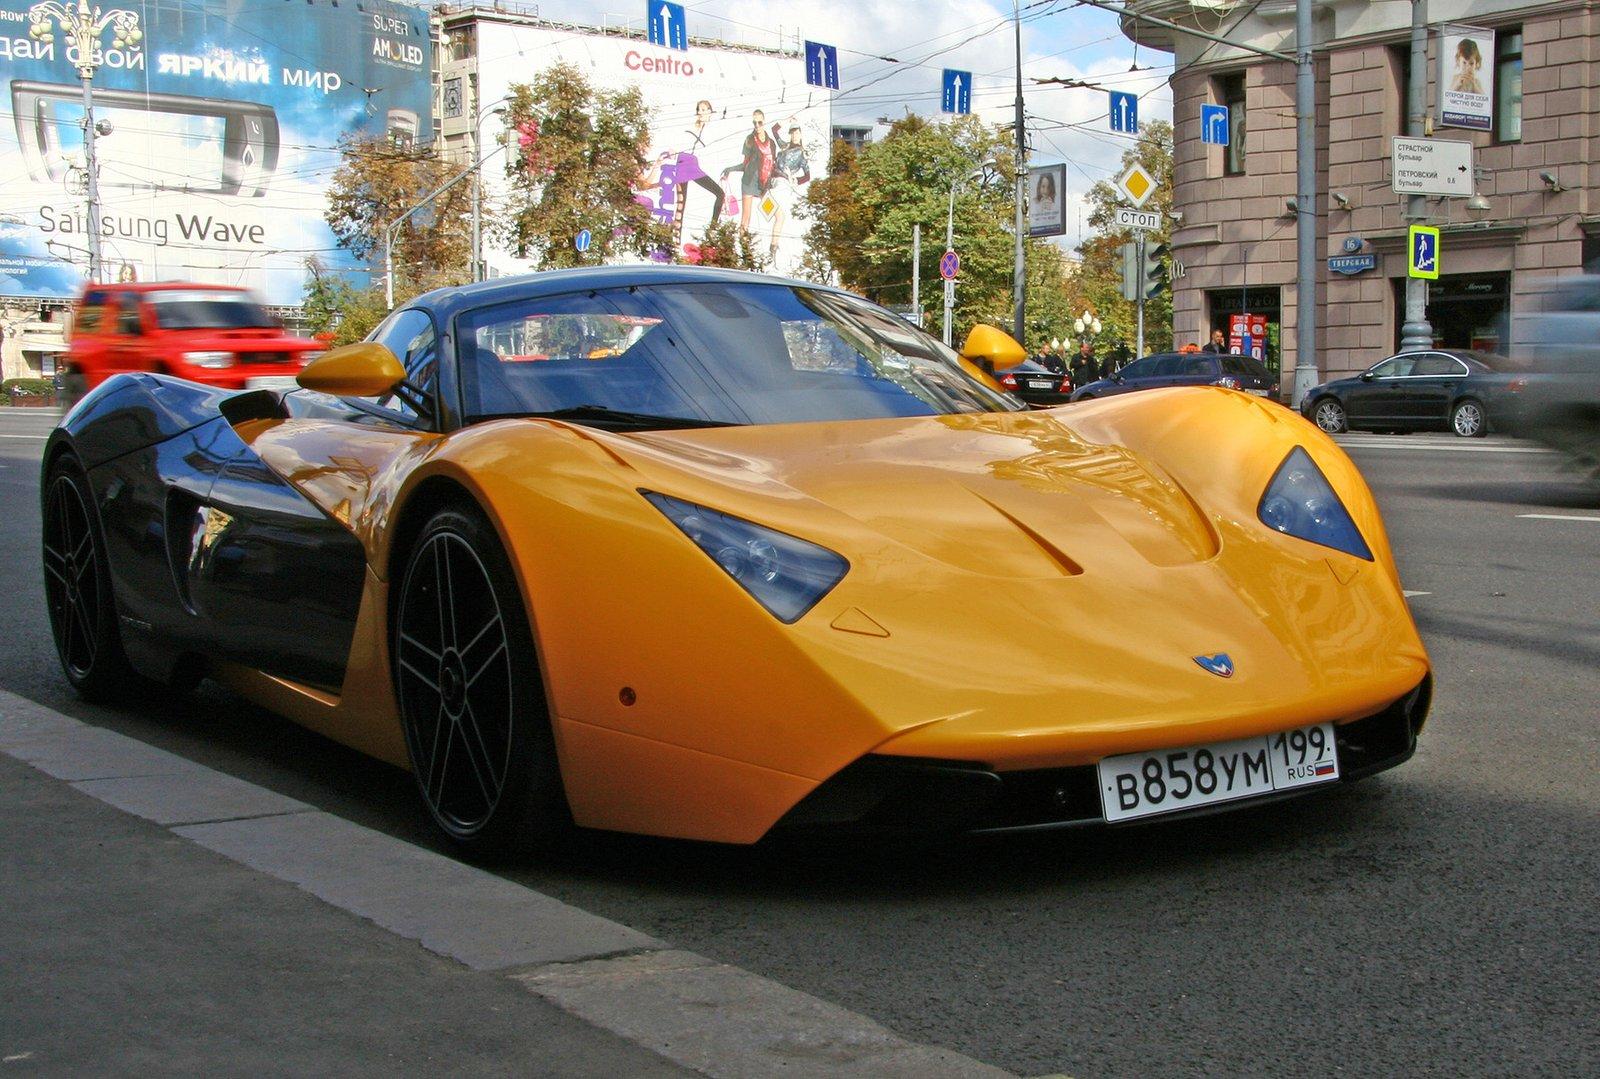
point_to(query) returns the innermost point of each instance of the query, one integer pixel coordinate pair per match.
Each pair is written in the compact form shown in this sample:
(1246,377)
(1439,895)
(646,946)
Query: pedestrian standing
(1218,343)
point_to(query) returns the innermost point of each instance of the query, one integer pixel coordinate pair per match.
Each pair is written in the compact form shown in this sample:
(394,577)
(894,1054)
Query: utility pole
(1020,272)
(1305,303)
(1415,333)
(1141,286)
(916,271)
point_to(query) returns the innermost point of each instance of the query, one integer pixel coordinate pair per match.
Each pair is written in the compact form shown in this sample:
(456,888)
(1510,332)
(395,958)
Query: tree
(375,184)
(577,154)
(864,211)
(333,305)
(1100,278)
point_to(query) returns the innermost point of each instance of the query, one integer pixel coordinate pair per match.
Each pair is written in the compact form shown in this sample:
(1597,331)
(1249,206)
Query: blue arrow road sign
(582,240)
(1424,247)
(667,27)
(822,65)
(1124,112)
(957,97)
(1214,124)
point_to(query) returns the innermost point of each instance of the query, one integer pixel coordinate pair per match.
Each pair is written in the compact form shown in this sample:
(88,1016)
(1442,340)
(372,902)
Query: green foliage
(1100,277)
(333,305)
(726,244)
(27,391)
(375,185)
(575,157)
(863,214)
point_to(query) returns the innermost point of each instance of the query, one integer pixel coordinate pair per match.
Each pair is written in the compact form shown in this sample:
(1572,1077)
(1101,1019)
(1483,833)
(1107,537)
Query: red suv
(214,334)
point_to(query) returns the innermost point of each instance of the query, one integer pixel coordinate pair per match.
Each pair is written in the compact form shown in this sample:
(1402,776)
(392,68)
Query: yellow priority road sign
(1422,252)
(1137,184)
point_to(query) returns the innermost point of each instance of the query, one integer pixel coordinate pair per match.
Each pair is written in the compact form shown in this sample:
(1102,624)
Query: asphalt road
(1440,918)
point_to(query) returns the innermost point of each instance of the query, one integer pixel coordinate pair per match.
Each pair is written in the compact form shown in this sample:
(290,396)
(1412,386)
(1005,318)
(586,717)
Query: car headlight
(209,359)
(786,575)
(1300,502)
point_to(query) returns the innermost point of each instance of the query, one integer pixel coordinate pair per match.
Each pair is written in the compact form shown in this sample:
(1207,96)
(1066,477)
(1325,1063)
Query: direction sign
(957,95)
(667,27)
(582,240)
(822,65)
(949,265)
(1129,218)
(1422,243)
(1214,124)
(1124,112)
(1137,185)
(1432,167)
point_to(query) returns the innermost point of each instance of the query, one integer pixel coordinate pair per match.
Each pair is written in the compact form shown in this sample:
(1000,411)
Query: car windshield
(208,309)
(720,353)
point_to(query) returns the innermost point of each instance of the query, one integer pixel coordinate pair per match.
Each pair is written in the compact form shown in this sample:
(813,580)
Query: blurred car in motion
(1185,369)
(1036,384)
(1434,390)
(1561,401)
(215,334)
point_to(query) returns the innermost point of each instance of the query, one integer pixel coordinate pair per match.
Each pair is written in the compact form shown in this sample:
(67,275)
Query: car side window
(1235,365)
(1165,366)
(1394,367)
(91,313)
(1439,366)
(1138,368)
(409,334)
(128,315)
(1196,365)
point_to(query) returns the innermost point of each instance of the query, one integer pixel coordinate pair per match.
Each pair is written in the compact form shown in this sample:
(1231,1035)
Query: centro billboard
(736,134)
(220,130)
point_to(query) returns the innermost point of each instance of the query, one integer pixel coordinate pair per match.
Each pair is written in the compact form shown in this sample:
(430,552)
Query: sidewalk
(158,916)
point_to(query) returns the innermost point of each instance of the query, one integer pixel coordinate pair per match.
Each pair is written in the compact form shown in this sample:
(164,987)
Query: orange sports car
(738,555)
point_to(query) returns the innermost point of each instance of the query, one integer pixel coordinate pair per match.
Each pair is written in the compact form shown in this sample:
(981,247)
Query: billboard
(218,133)
(1466,77)
(736,134)
(1047,200)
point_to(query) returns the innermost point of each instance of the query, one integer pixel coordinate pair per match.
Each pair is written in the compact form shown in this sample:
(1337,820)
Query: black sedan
(1433,390)
(1185,369)
(1037,384)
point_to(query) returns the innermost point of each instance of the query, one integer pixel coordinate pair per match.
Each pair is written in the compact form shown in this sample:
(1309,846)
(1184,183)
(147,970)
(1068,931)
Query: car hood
(1018,495)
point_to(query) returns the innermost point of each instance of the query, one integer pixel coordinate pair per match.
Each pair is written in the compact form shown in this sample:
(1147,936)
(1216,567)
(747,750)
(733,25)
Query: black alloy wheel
(77,588)
(471,699)
(1329,415)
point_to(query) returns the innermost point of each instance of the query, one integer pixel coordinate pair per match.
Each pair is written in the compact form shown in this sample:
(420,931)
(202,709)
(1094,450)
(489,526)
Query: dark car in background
(1185,369)
(1432,390)
(1036,384)
(1561,402)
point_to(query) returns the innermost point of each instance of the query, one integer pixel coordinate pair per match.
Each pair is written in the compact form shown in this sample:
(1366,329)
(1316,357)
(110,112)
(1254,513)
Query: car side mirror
(992,349)
(1367,376)
(364,369)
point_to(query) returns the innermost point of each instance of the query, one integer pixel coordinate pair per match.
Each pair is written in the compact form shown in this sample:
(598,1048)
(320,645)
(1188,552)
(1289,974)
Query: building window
(1400,63)
(453,105)
(1508,85)
(1230,93)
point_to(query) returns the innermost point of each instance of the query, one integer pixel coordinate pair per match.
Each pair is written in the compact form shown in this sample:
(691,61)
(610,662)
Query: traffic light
(1155,269)
(1130,272)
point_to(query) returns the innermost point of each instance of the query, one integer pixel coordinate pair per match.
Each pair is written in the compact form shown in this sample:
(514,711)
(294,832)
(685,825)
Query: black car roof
(447,302)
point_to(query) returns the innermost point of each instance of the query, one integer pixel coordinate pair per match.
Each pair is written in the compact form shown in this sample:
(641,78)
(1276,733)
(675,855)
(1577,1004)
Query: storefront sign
(1466,77)
(1350,265)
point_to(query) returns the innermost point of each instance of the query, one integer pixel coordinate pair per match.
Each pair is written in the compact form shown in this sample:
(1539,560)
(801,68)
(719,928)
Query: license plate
(1168,780)
(1041,385)
(271,382)
(1260,393)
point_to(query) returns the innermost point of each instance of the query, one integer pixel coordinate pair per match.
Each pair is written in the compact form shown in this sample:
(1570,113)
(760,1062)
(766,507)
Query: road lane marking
(1409,593)
(30,438)
(1555,517)
(1440,447)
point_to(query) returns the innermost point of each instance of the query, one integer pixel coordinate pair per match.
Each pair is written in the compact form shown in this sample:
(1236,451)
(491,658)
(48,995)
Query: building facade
(1534,218)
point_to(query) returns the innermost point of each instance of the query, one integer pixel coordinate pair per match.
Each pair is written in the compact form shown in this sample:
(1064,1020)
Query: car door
(1195,369)
(1375,398)
(1429,389)
(126,349)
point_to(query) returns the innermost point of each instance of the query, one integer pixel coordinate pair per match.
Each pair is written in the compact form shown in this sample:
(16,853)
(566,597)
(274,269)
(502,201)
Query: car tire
(1329,415)
(470,694)
(1468,419)
(78,590)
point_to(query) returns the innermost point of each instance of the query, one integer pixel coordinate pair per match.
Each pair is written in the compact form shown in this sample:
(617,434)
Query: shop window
(1230,93)
(1400,64)
(1508,84)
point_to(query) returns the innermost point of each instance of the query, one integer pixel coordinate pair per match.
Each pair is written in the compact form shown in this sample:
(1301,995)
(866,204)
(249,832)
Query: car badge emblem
(1220,664)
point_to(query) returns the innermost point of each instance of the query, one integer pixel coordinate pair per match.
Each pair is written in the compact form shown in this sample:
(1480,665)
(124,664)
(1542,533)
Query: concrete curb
(710,1017)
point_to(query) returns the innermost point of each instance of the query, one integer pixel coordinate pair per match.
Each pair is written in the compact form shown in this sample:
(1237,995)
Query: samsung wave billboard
(218,134)
(736,135)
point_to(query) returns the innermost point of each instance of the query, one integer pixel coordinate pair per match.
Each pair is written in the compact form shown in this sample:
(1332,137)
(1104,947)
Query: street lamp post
(477,180)
(1087,327)
(83,27)
(393,227)
(950,243)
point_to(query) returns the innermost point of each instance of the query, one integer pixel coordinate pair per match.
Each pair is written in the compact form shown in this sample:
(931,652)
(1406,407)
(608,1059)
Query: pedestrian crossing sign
(1422,245)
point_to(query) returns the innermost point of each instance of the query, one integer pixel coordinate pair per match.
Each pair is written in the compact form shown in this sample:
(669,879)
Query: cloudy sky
(1060,39)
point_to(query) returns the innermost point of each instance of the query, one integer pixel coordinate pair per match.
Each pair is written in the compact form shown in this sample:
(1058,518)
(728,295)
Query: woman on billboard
(758,166)
(793,171)
(690,171)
